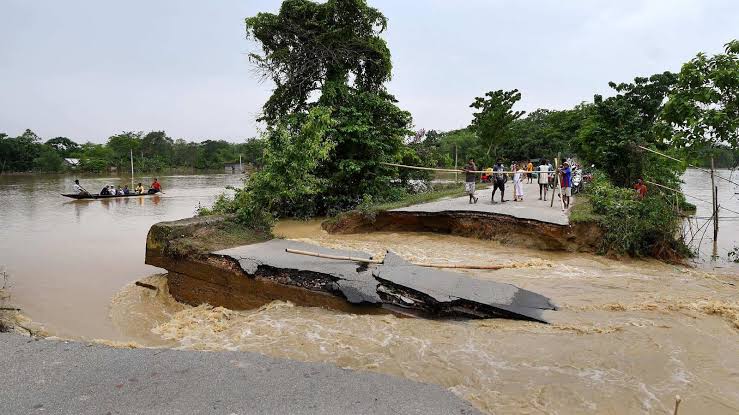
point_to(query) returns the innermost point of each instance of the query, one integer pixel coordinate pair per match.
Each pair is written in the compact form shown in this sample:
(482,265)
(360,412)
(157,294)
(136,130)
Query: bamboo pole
(677,403)
(456,175)
(461,266)
(327,256)
(374,261)
(714,194)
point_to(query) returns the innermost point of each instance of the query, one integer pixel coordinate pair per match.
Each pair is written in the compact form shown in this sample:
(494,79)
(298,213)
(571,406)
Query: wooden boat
(99,196)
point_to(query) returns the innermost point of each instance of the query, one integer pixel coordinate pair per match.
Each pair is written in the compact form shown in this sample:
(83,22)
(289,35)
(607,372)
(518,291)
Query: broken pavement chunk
(455,293)
(395,282)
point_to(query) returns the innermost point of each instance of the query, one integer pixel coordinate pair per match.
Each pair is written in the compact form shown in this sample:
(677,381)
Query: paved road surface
(55,377)
(530,208)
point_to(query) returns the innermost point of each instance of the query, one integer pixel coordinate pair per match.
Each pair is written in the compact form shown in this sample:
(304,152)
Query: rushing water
(629,336)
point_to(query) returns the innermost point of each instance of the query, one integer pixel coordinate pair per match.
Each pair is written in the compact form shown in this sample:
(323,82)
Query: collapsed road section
(252,275)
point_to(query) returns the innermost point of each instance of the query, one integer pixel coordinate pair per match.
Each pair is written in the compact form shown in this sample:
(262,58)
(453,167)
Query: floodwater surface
(629,335)
(67,258)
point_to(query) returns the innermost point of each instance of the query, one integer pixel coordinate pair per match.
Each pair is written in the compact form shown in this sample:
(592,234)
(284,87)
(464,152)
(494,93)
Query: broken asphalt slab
(395,283)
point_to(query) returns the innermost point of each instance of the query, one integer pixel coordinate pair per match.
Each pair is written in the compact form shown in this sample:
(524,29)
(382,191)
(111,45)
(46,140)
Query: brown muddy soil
(580,237)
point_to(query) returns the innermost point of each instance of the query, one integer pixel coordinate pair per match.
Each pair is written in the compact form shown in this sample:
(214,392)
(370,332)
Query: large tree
(494,117)
(331,55)
(611,136)
(704,105)
(63,146)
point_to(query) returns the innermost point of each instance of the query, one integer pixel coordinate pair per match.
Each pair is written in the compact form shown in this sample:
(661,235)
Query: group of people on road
(111,190)
(497,175)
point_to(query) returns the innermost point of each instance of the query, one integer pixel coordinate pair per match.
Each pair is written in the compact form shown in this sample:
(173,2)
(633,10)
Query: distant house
(233,168)
(73,163)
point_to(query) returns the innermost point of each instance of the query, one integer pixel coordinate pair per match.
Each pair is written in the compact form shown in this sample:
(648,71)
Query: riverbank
(82,378)
(531,223)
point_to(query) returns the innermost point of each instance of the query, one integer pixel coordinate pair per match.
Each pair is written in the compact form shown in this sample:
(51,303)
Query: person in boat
(105,191)
(126,190)
(78,189)
(119,192)
(139,189)
(155,187)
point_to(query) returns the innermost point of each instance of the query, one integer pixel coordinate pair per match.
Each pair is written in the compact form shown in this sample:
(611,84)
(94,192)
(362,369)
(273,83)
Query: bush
(648,227)
(248,212)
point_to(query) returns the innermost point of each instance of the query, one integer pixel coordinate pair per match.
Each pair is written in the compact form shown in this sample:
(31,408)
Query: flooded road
(629,336)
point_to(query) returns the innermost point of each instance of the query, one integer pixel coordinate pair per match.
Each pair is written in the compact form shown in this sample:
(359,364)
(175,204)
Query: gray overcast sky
(87,69)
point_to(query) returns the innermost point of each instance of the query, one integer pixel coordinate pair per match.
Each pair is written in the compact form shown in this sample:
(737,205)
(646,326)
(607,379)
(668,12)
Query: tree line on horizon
(152,152)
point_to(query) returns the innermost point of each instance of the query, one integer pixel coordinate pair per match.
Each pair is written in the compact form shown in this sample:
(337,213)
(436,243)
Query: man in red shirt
(155,187)
(641,188)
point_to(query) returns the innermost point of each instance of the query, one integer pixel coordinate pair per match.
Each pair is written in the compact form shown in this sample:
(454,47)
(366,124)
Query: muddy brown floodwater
(630,334)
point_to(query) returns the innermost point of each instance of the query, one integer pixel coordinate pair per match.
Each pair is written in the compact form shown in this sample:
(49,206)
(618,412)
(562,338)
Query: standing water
(630,334)
(66,258)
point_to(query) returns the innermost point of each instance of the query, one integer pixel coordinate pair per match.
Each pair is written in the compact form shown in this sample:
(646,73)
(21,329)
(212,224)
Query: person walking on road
(469,180)
(530,171)
(543,171)
(499,179)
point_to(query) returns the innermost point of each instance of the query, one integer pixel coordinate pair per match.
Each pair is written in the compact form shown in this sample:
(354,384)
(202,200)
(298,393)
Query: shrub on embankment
(632,226)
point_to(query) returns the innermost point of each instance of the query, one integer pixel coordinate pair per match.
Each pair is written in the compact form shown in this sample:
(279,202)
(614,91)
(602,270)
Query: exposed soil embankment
(529,233)
(253,274)
(196,276)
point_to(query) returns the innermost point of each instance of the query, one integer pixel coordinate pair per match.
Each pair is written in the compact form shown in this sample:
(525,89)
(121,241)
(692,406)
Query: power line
(695,167)
(694,197)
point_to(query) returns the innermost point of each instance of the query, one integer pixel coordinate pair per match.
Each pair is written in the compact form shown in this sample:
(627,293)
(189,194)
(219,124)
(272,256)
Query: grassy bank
(636,227)
(582,210)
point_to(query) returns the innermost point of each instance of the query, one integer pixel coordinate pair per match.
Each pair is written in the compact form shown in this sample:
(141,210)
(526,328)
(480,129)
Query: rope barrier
(695,167)
(459,171)
(694,197)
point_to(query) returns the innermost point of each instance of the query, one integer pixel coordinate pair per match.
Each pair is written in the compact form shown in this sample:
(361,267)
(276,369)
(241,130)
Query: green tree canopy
(63,146)
(310,46)
(330,55)
(704,105)
(494,118)
(611,135)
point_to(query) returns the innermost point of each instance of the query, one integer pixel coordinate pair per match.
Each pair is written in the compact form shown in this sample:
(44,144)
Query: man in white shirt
(543,171)
(78,189)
